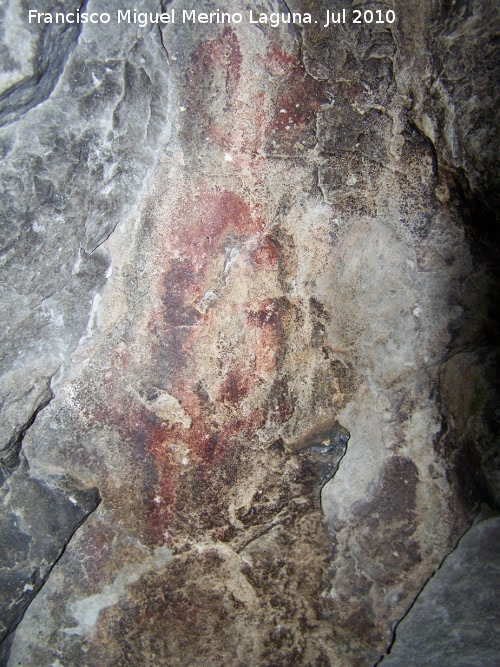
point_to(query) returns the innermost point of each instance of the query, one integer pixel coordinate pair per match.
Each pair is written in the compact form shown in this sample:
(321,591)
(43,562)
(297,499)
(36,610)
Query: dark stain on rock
(211,81)
(384,532)
(297,103)
(319,452)
(392,522)
(266,253)
(211,445)
(397,496)
(277,446)
(265,316)
(323,438)
(282,403)
(180,280)
(206,596)
(236,387)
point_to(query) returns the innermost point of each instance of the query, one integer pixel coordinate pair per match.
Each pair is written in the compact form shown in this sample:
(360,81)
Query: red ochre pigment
(209,243)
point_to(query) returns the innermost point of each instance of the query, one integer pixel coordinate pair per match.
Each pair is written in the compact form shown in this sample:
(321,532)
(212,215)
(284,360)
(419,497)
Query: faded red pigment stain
(204,231)
(144,432)
(214,234)
(237,111)
(199,224)
(212,76)
(298,101)
(194,249)
(221,53)
(235,387)
(266,315)
(216,91)
(266,253)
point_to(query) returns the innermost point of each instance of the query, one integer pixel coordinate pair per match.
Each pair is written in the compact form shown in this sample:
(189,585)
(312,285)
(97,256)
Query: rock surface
(247,307)
(39,516)
(454,621)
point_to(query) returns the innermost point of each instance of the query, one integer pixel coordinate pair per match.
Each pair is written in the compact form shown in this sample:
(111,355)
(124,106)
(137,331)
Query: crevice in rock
(325,446)
(164,46)
(163,7)
(435,159)
(263,531)
(10,457)
(38,581)
(57,43)
(318,452)
(414,601)
(329,479)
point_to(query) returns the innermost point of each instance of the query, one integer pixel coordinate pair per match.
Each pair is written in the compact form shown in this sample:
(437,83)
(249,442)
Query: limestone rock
(454,621)
(76,153)
(22,400)
(38,517)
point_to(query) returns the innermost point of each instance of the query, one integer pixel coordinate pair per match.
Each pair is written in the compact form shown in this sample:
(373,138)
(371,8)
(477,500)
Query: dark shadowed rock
(38,517)
(455,619)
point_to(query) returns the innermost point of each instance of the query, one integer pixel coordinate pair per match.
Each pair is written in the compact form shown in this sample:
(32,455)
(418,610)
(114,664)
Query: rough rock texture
(446,625)
(246,300)
(38,517)
(70,167)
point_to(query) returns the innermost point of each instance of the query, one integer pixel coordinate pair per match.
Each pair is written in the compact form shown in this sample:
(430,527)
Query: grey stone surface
(455,101)
(32,55)
(38,517)
(83,112)
(455,621)
(22,399)
(72,168)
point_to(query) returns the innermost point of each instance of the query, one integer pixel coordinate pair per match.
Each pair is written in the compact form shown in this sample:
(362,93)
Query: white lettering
(124,16)
(274,19)
(76,17)
(212,17)
(336,17)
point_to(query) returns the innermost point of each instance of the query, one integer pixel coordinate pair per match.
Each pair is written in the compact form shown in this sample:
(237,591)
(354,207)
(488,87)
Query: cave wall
(248,353)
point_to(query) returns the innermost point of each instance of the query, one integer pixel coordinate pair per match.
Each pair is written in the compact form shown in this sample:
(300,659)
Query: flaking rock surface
(265,296)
